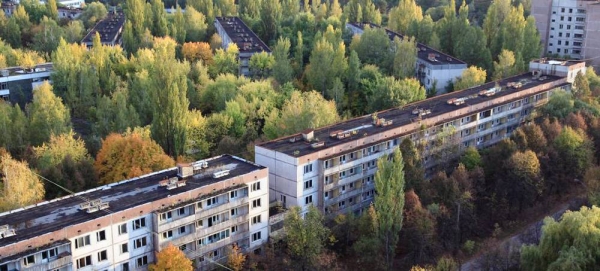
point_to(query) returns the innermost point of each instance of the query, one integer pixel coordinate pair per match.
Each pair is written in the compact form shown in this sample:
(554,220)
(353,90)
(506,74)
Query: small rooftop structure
(240,34)
(109,29)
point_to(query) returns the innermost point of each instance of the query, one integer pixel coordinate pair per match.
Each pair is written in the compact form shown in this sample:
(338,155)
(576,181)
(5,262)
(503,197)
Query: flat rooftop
(239,33)
(44,67)
(109,28)
(54,215)
(401,116)
(425,53)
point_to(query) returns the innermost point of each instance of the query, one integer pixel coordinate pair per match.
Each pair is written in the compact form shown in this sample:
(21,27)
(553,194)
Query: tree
(47,115)
(48,37)
(401,16)
(14,124)
(225,61)
(20,186)
(532,47)
(471,158)
(419,227)
(389,204)
(282,67)
(577,229)
(560,105)
(305,237)
(581,86)
(131,154)
(592,184)
(387,92)
(302,111)
(195,25)
(171,258)
(574,152)
(353,72)
(270,16)
(235,259)
(405,58)
(159,19)
(58,148)
(471,47)
(94,12)
(471,77)
(194,51)
(74,31)
(177,28)
(52,9)
(326,63)
(374,47)
(260,64)
(221,90)
(168,95)
(523,183)
(505,66)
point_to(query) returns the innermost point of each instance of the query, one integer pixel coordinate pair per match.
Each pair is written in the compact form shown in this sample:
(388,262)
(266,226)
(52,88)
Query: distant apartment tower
(202,208)
(334,167)
(569,28)
(109,29)
(432,67)
(234,30)
(17,83)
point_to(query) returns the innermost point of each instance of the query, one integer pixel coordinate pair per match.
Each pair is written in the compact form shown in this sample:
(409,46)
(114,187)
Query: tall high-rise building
(569,28)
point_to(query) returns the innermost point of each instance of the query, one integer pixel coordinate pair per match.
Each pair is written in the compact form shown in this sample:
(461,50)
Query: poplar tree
(282,68)
(20,185)
(47,115)
(306,236)
(401,16)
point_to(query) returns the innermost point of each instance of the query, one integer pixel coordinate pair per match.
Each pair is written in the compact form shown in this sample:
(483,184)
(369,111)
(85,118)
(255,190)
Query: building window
(49,254)
(139,223)
(102,256)
(142,261)
(233,194)
(183,247)
(212,201)
(560,42)
(566,51)
(256,236)
(308,168)
(342,159)
(342,203)
(234,229)
(82,241)
(138,243)
(85,261)
(199,223)
(166,216)
(167,234)
(568,27)
(308,184)
(122,228)
(256,203)
(326,164)
(308,200)
(326,194)
(125,267)
(29,260)
(234,212)
(101,235)
(182,230)
(213,220)
(181,211)
(256,219)
(562,18)
(580,19)
(124,248)
(560,26)
(255,186)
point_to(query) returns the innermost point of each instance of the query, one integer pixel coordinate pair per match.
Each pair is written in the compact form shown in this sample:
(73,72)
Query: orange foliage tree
(129,155)
(193,51)
(171,258)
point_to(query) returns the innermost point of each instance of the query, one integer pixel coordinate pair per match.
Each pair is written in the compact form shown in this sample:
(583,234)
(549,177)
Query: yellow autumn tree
(235,259)
(19,186)
(60,146)
(129,155)
(171,258)
(473,76)
(193,51)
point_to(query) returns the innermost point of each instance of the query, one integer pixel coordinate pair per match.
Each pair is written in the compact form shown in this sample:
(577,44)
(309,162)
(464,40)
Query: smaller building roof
(239,33)
(425,53)
(109,28)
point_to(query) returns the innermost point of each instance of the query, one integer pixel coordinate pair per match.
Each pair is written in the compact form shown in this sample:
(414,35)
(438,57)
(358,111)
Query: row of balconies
(57,263)
(198,233)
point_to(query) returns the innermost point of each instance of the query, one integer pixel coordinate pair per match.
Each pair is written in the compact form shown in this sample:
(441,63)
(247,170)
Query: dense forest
(171,93)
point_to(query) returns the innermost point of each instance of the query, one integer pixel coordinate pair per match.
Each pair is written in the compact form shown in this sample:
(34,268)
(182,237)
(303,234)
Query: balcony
(199,251)
(57,263)
(200,233)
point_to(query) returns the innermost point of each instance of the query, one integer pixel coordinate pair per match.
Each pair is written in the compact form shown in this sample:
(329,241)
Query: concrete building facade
(432,68)
(17,83)
(202,208)
(334,167)
(234,30)
(569,28)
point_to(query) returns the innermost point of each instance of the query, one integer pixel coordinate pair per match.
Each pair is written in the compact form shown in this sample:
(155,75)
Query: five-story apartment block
(202,208)
(334,167)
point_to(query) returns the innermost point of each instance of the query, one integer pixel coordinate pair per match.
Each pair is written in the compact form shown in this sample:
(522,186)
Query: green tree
(225,61)
(159,19)
(471,158)
(471,77)
(169,97)
(532,46)
(401,16)
(405,58)
(20,185)
(578,229)
(505,66)
(559,105)
(217,93)
(195,25)
(94,12)
(389,204)
(73,31)
(179,26)
(471,47)
(581,86)
(414,173)
(387,92)
(52,9)
(523,184)
(327,62)
(47,115)
(48,37)
(57,149)
(374,47)
(592,184)
(306,236)
(114,114)
(302,111)
(261,64)
(270,16)
(574,152)
(282,67)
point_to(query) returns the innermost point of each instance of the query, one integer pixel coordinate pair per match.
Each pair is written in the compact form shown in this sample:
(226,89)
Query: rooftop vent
(6,231)
(186,170)
(317,144)
(93,206)
(431,57)
(172,183)
(421,111)
(308,135)
(221,173)
(489,92)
